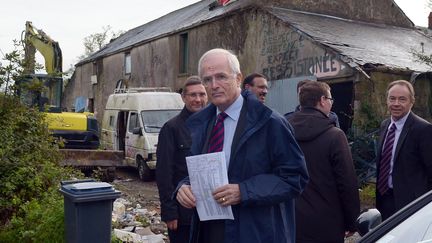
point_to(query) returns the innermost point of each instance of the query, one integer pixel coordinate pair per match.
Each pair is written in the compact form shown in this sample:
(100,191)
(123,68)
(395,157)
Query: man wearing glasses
(173,145)
(327,209)
(404,161)
(266,168)
(257,84)
(333,116)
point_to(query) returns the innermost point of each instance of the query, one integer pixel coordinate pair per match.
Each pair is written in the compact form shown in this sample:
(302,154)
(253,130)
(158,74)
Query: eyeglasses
(219,78)
(196,95)
(330,98)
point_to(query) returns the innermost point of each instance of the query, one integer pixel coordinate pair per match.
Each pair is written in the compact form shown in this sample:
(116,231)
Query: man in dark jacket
(332,115)
(266,168)
(327,209)
(404,161)
(173,145)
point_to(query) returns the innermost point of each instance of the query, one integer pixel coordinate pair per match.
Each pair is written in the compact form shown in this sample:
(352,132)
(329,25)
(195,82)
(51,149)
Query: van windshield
(154,120)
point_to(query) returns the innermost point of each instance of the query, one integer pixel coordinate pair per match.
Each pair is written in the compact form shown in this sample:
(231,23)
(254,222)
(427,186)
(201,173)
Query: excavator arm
(79,130)
(50,50)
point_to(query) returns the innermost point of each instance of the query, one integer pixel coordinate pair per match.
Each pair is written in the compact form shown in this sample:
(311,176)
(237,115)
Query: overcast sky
(69,22)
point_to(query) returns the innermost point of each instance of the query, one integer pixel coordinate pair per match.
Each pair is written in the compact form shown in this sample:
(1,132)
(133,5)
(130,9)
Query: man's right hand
(185,196)
(172,224)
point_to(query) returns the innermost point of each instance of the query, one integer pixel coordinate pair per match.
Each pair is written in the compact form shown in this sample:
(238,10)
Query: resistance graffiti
(289,66)
(289,55)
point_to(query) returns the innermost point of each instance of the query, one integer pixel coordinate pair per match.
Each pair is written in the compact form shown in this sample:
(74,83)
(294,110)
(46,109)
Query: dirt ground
(135,190)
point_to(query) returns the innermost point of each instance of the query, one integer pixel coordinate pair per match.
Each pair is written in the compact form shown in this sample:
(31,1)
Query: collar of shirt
(233,111)
(399,123)
(230,125)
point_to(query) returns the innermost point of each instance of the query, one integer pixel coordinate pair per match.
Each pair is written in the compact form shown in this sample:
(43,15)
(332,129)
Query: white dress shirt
(399,125)
(230,125)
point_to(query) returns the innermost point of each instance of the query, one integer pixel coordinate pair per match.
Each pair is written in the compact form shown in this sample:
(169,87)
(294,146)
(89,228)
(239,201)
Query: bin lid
(88,188)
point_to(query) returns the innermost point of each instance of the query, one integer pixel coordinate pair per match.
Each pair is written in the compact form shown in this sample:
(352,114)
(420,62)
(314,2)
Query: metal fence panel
(282,94)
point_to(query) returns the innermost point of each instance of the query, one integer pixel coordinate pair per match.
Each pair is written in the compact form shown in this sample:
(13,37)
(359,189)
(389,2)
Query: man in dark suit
(173,145)
(404,162)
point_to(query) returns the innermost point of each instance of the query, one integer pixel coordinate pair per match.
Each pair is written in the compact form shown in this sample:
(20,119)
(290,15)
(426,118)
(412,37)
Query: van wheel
(145,173)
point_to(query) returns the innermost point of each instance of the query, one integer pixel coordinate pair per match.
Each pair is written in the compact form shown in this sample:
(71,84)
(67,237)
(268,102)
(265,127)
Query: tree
(423,58)
(420,56)
(13,66)
(97,41)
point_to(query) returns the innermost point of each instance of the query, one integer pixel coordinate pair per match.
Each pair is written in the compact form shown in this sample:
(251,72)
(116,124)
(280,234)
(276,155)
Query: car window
(416,229)
(154,120)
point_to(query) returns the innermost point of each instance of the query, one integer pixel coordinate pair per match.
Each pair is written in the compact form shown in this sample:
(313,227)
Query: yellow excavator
(78,130)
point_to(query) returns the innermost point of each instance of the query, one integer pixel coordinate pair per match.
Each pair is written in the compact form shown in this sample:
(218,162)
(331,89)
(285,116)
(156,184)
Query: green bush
(367,196)
(31,208)
(39,220)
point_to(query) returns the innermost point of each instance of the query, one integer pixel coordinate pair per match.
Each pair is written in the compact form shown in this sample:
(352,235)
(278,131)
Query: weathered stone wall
(283,53)
(79,85)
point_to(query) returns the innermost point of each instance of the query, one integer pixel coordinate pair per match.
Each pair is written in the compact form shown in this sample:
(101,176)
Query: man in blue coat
(266,168)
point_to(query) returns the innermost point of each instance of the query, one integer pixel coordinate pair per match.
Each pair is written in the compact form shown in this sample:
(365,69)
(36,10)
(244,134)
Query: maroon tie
(384,169)
(217,134)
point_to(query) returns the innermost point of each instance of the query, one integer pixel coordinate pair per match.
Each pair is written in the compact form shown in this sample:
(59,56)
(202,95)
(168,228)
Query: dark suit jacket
(412,169)
(173,145)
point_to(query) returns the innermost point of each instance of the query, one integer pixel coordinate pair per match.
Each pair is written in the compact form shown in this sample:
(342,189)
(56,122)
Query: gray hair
(233,61)
(403,83)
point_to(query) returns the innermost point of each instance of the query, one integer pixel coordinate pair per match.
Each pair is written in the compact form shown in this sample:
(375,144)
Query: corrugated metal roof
(173,22)
(361,42)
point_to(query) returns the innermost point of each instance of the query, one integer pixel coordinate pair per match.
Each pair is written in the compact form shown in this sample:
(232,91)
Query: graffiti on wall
(278,43)
(287,66)
(288,55)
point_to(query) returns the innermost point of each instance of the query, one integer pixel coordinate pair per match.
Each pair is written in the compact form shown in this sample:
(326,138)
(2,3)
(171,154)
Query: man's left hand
(227,195)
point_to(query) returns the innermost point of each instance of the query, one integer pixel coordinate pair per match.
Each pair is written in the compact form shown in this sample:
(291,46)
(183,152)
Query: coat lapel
(252,117)
(201,121)
(382,136)
(239,129)
(404,132)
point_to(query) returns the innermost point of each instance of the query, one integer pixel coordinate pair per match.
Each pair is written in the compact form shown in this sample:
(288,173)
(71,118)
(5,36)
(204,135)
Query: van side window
(133,121)
(111,121)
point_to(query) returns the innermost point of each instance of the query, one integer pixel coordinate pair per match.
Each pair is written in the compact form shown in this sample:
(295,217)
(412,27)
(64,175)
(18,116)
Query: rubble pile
(132,223)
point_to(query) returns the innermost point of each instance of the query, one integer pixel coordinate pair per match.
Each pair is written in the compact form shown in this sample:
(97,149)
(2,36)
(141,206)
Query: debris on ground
(132,223)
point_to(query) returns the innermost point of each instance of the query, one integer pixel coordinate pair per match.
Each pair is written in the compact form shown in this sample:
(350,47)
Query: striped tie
(217,134)
(386,154)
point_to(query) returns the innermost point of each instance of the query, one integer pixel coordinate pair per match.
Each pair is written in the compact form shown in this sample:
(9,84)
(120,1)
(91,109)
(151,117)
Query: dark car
(413,223)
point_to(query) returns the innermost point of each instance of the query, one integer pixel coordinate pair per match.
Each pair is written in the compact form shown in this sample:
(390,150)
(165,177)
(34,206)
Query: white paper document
(206,173)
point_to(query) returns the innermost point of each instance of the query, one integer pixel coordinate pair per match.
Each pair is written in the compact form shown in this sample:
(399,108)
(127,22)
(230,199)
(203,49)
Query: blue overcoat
(269,167)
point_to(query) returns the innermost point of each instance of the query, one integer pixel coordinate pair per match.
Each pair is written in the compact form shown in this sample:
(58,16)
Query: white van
(132,121)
